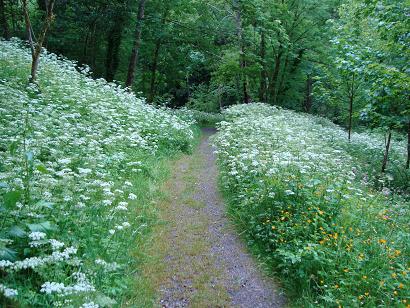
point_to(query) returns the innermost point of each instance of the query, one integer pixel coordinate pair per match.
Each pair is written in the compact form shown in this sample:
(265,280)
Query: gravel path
(206,264)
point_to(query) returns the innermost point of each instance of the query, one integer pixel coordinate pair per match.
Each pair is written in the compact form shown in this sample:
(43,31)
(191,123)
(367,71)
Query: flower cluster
(304,197)
(8,292)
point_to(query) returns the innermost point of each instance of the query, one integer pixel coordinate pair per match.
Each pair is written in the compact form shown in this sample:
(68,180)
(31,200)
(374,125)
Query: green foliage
(203,99)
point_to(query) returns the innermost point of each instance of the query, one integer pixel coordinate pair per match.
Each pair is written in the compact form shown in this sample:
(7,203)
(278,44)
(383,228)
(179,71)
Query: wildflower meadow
(311,210)
(79,163)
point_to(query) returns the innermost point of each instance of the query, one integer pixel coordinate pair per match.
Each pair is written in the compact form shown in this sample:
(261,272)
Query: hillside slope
(310,203)
(79,162)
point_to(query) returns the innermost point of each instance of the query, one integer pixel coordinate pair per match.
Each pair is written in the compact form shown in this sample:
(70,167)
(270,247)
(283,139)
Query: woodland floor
(201,262)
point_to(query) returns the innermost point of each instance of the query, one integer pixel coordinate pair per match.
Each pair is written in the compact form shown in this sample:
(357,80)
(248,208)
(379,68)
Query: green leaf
(7,254)
(42,169)
(11,198)
(13,147)
(42,227)
(44,204)
(17,231)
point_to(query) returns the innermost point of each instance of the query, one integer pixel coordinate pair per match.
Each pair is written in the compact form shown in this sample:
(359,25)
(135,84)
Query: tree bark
(351,99)
(3,21)
(309,98)
(408,146)
(242,60)
(154,71)
(94,45)
(114,39)
(37,46)
(264,75)
(154,67)
(281,79)
(137,43)
(275,74)
(386,151)
(14,21)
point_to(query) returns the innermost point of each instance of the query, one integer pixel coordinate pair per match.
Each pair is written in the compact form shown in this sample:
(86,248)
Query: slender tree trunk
(94,45)
(37,46)
(408,146)
(308,99)
(154,71)
(220,98)
(350,117)
(274,79)
(154,67)
(113,48)
(386,151)
(85,46)
(3,20)
(264,75)
(14,20)
(351,99)
(137,43)
(242,60)
(281,79)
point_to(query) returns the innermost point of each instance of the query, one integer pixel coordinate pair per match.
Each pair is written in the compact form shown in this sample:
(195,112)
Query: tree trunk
(94,45)
(274,79)
(242,60)
(113,48)
(85,46)
(154,67)
(281,79)
(351,99)
(264,75)
(137,43)
(386,151)
(14,20)
(408,146)
(37,46)
(3,21)
(154,71)
(309,98)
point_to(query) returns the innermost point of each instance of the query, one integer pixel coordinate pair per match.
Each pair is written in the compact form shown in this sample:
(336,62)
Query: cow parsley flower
(36,236)
(132,196)
(8,292)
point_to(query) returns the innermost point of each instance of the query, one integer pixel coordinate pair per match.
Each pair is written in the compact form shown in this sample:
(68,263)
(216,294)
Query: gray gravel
(240,275)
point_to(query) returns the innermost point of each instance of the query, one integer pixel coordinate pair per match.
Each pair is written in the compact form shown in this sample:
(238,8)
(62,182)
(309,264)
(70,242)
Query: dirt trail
(201,260)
